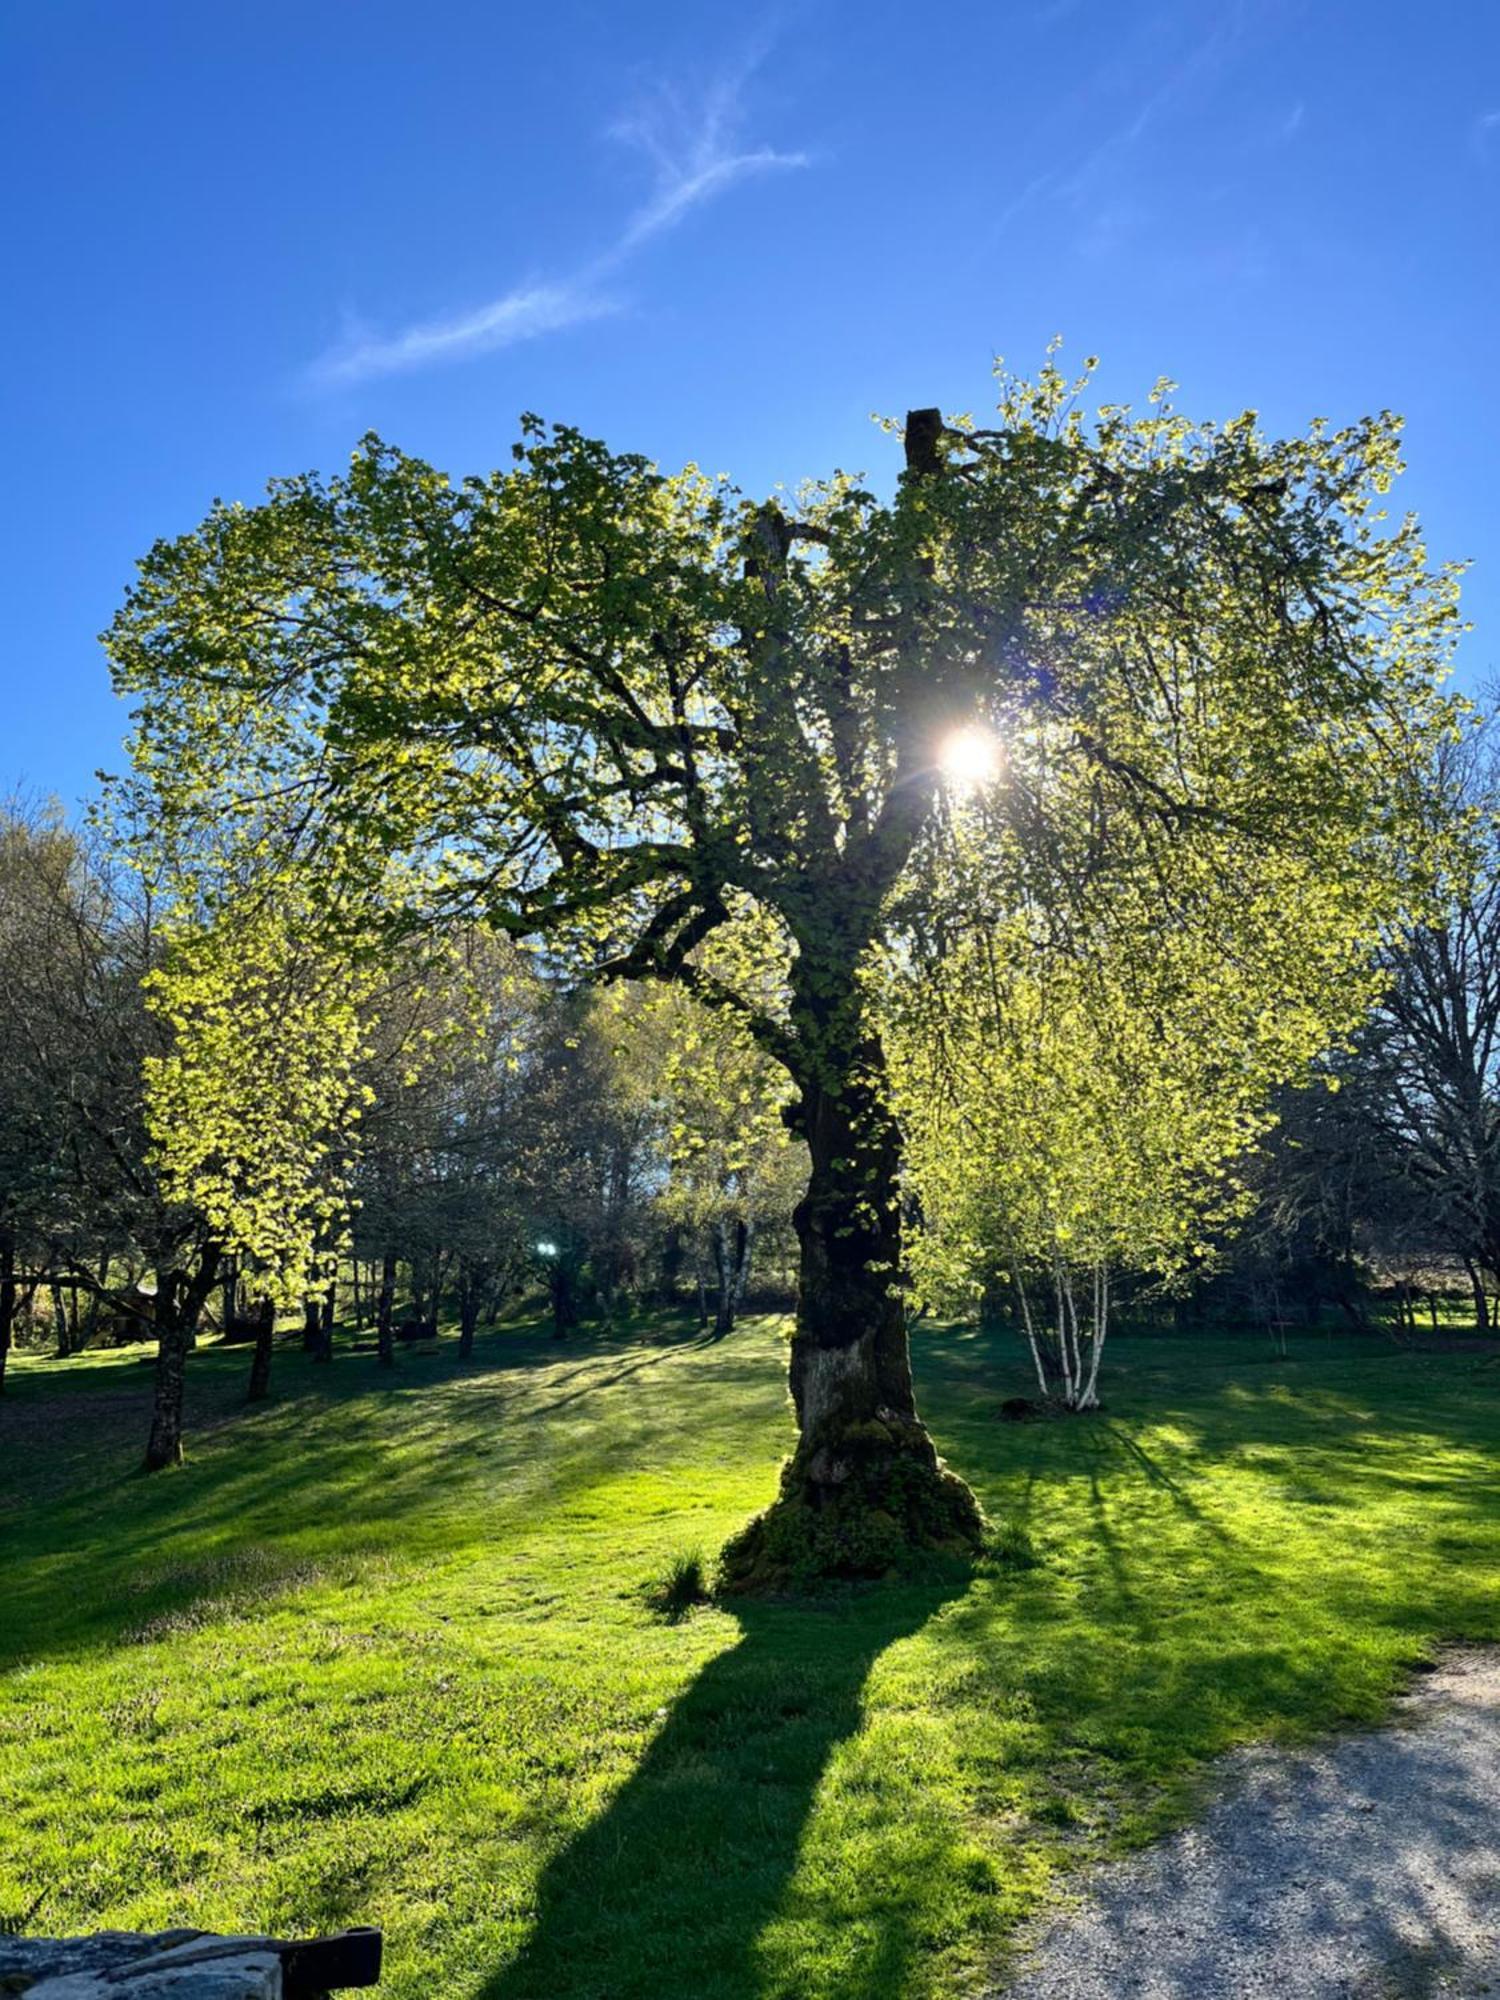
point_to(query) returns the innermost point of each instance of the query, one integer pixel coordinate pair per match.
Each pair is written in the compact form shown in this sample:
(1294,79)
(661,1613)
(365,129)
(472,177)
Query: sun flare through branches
(970,757)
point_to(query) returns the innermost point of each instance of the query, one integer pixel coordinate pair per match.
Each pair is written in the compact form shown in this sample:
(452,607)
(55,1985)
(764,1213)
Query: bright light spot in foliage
(970,757)
(546,1249)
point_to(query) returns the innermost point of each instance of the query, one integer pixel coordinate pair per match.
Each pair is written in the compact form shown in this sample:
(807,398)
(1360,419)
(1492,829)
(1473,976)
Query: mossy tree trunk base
(874,1500)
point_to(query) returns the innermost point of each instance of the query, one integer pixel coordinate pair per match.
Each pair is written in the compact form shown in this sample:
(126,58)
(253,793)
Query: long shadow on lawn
(122,1551)
(668,1890)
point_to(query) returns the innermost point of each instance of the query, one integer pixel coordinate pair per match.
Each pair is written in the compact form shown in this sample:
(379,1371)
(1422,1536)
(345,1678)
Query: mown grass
(386,1650)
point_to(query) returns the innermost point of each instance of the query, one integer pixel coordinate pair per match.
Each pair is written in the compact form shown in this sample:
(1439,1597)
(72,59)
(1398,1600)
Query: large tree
(682,735)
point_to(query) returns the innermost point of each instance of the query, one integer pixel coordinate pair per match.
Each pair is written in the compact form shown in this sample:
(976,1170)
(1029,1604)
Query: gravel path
(1368,1870)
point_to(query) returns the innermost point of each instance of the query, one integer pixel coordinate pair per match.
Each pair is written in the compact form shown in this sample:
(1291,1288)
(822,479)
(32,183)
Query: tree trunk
(724,1272)
(563,1283)
(386,1348)
(470,1292)
(323,1351)
(744,1244)
(1481,1300)
(260,1359)
(312,1323)
(91,1311)
(8,1295)
(179,1300)
(61,1327)
(865,1488)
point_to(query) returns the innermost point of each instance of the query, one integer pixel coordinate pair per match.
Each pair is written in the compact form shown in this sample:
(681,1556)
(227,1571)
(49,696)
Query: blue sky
(240,235)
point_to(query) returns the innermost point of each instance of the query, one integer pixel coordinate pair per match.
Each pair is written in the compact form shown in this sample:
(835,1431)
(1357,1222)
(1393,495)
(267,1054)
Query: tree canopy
(671,732)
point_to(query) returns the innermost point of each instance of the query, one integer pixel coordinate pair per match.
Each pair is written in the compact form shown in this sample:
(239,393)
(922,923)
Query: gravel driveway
(1369,1868)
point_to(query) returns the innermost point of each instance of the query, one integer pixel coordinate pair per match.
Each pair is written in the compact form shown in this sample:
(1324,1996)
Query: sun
(970,757)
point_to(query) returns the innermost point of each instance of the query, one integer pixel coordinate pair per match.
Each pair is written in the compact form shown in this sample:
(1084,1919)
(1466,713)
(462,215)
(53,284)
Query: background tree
(82,1041)
(640,716)
(1434,1047)
(1077,1113)
(732,1167)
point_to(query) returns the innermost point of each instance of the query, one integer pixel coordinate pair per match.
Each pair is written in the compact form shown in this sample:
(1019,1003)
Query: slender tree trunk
(323,1351)
(469,1290)
(724,1272)
(385,1311)
(744,1246)
(312,1323)
(1037,1361)
(91,1311)
(179,1300)
(9,1291)
(61,1329)
(1481,1301)
(865,1487)
(260,1358)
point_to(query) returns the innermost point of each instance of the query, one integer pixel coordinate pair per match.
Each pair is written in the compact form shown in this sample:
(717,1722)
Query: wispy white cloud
(1484,135)
(693,149)
(1089,182)
(519,315)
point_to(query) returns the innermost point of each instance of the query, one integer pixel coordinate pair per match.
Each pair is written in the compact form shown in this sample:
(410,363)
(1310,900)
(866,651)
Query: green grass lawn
(381,1652)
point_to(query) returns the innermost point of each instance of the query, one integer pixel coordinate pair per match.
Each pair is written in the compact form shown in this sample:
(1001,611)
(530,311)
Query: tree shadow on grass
(274,1492)
(669,1889)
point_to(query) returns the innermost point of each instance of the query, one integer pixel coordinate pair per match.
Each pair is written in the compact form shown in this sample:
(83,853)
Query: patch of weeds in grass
(1009,1547)
(681,1586)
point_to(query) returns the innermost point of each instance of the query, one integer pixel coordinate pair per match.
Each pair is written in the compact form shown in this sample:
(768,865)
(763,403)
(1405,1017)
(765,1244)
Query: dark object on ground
(188,1964)
(1020,1410)
(417,1329)
(242,1326)
(311,1967)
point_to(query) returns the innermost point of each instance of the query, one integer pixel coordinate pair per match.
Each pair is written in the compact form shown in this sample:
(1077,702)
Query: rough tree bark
(865,1487)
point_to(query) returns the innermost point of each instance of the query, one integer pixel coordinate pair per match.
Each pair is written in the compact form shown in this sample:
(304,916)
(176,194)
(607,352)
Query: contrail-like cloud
(696,160)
